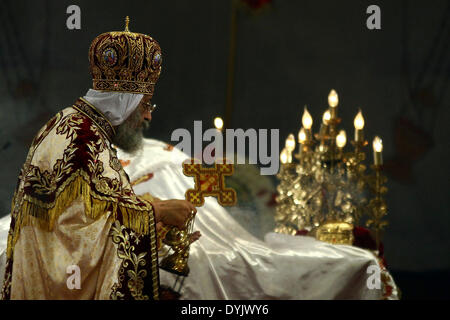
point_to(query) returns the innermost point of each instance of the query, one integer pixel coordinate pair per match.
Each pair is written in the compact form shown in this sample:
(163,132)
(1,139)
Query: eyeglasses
(150,107)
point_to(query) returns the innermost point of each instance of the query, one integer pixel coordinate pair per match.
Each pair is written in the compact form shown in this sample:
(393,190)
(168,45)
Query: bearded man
(77,229)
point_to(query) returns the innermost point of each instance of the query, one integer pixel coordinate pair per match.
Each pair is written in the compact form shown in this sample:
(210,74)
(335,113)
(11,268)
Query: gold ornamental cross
(209,182)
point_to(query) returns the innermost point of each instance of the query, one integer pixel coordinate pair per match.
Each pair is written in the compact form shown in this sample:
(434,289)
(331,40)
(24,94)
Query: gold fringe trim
(32,214)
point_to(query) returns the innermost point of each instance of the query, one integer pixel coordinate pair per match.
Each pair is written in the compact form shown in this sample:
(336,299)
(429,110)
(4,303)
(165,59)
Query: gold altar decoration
(210,182)
(325,189)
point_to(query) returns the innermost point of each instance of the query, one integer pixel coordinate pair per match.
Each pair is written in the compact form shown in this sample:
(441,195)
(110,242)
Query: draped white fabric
(116,106)
(229,263)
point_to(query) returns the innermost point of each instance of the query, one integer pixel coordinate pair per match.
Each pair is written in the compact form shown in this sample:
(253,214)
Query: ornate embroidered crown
(125,61)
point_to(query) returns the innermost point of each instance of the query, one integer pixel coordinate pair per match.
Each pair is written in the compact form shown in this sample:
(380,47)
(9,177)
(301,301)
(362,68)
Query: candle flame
(307,119)
(341,139)
(333,99)
(377,144)
(326,117)
(359,121)
(290,143)
(302,136)
(218,123)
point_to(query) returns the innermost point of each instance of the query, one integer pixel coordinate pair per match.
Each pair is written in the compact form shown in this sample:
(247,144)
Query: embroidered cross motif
(209,182)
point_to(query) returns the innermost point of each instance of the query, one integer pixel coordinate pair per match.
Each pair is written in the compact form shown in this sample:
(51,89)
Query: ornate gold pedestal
(336,233)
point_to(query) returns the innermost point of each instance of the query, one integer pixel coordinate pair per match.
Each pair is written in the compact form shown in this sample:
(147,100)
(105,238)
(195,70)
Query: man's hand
(173,212)
(194,236)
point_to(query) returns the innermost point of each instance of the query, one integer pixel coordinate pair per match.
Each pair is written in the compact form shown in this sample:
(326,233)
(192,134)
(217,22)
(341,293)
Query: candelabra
(326,191)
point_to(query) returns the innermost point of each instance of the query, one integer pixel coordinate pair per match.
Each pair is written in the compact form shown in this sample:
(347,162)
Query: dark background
(288,54)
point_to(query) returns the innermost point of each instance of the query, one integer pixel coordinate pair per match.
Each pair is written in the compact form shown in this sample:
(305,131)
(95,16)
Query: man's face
(146,115)
(129,134)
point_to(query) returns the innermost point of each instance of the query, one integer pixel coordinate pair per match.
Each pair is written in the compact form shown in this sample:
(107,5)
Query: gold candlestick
(333,101)
(290,147)
(377,151)
(324,125)
(359,125)
(341,140)
(301,142)
(284,157)
(377,206)
(307,124)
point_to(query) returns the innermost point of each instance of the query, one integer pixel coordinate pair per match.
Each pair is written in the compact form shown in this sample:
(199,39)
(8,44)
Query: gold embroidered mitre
(125,61)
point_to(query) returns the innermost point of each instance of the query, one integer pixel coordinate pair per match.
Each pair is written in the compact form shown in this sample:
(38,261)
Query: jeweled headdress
(125,61)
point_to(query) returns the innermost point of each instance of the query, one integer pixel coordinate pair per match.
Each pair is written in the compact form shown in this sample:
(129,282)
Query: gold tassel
(33,214)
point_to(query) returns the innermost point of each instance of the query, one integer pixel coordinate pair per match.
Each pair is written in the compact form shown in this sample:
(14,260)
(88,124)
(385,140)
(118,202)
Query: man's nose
(148,115)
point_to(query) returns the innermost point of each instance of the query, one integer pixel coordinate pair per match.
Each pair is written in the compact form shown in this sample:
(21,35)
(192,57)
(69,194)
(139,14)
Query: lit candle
(218,123)
(302,136)
(377,149)
(290,146)
(326,117)
(359,125)
(290,143)
(333,101)
(324,125)
(307,122)
(341,139)
(284,156)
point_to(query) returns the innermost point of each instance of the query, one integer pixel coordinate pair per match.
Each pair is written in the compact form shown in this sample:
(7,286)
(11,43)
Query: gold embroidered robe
(74,214)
